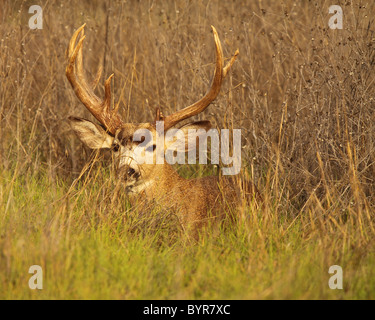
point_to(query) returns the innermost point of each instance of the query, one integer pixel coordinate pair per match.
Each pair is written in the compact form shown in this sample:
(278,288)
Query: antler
(100,109)
(201,105)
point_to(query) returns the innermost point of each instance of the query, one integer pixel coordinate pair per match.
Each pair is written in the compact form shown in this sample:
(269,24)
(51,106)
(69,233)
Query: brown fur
(198,202)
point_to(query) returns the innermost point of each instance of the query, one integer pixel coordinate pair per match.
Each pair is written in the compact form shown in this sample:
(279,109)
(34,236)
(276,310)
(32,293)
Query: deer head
(115,134)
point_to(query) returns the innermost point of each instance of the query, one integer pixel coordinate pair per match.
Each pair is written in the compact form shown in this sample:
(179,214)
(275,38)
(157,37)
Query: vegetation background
(302,94)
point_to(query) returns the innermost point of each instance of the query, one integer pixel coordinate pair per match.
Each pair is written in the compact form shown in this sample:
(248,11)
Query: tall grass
(302,94)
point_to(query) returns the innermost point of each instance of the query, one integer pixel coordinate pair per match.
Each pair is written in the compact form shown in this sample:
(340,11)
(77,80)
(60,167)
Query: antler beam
(201,105)
(100,108)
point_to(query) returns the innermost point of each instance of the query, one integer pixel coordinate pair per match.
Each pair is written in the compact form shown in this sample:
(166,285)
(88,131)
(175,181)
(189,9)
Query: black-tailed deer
(194,201)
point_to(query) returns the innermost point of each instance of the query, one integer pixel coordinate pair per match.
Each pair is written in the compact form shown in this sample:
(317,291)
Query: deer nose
(131,171)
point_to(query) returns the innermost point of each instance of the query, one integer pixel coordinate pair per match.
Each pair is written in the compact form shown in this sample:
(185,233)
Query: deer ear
(205,125)
(183,139)
(91,134)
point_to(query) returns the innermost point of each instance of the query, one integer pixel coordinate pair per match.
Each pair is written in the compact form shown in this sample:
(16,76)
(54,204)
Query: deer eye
(151,148)
(140,141)
(116,147)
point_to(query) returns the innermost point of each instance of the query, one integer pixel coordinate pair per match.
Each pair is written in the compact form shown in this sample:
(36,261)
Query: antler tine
(73,40)
(97,77)
(202,104)
(159,116)
(100,108)
(230,63)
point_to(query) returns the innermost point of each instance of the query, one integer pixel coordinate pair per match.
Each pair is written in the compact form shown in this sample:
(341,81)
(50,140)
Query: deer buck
(193,201)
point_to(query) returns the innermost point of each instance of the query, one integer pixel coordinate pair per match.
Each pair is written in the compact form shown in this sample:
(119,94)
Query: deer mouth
(132,180)
(132,174)
(129,174)
(130,177)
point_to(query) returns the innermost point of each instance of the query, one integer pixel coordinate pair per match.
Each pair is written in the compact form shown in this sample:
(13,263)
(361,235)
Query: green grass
(89,252)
